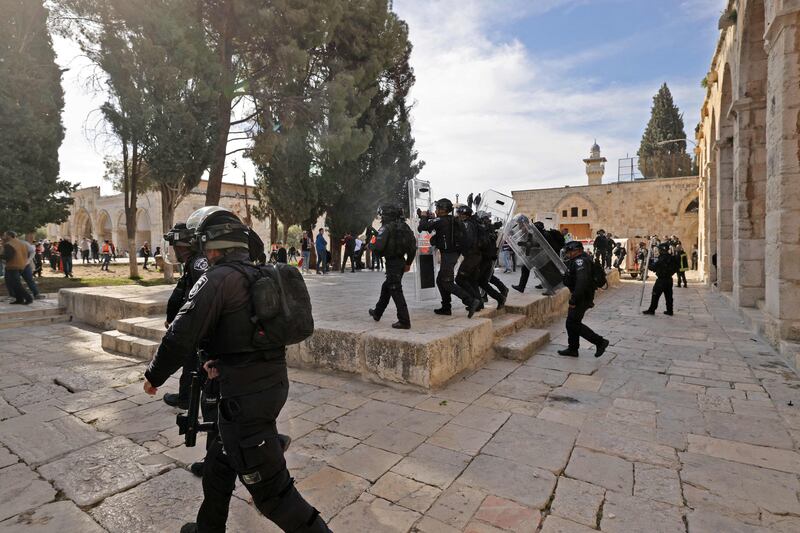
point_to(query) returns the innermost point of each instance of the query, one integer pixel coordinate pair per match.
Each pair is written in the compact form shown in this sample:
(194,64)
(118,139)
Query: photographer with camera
(249,366)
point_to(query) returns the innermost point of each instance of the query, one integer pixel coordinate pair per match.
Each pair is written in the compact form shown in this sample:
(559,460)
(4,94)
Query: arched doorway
(143,229)
(83,225)
(750,160)
(724,207)
(104,227)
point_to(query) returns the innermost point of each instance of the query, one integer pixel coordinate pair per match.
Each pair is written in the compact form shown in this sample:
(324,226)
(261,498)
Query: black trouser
(249,447)
(392,288)
(662,286)
(486,277)
(577,329)
(14,286)
(350,256)
(445,280)
(523,277)
(682,277)
(607,258)
(468,274)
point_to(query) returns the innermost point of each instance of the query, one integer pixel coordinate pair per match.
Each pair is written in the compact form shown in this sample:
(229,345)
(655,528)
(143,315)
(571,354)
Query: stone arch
(83,224)
(692,197)
(143,228)
(105,229)
(750,160)
(725,189)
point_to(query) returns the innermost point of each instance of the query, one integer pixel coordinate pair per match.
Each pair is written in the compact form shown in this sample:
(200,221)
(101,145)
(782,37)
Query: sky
(510,94)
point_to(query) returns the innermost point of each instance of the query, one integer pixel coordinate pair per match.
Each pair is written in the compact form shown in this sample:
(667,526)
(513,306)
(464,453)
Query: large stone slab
(37,441)
(379,515)
(166,502)
(21,489)
(56,517)
(577,501)
(91,474)
(523,484)
(623,514)
(600,469)
(534,442)
(103,306)
(331,490)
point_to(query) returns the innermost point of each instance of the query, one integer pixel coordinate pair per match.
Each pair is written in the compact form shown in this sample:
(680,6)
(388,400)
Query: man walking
(397,242)
(580,282)
(15,254)
(65,249)
(322,251)
(665,266)
(600,248)
(683,264)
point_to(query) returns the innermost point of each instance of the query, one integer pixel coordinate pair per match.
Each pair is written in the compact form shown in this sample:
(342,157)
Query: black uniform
(665,266)
(600,250)
(581,287)
(486,278)
(620,254)
(253,387)
(193,268)
(444,240)
(469,269)
(397,258)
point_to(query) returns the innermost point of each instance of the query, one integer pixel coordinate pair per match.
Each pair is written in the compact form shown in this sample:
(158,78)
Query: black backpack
(599,276)
(280,303)
(401,240)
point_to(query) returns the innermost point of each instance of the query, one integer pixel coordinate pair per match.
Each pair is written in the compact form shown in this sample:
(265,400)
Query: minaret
(595,165)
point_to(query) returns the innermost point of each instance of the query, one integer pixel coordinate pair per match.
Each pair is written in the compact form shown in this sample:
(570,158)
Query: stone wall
(645,207)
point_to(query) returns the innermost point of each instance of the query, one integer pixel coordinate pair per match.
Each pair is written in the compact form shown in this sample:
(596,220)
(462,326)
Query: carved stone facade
(103,217)
(666,206)
(748,146)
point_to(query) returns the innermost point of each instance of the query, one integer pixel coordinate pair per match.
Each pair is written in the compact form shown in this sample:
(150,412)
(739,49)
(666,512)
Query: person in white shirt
(358,251)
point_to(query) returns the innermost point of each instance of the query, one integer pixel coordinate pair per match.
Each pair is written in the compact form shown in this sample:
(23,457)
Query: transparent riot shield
(534,252)
(420,197)
(499,206)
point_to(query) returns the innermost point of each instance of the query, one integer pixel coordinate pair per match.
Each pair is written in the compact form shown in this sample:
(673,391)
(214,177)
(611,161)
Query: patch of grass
(53,284)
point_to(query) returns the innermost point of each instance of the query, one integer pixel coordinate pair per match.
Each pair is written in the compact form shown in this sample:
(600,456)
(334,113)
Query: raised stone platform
(346,339)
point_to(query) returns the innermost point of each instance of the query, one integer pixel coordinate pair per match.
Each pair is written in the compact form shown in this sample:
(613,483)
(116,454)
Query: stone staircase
(27,317)
(136,337)
(513,339)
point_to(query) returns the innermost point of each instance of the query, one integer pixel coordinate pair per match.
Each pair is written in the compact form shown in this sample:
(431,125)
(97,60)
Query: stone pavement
(689,423)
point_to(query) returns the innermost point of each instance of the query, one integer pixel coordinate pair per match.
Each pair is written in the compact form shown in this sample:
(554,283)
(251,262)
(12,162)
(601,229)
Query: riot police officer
(486,278)
(194,266)
(474,237)
(253,382)
(581,285)
(397,243)
(444,227)
(665,266)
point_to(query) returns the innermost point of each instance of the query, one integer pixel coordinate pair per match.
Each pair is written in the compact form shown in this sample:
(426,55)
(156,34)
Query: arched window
(694,206)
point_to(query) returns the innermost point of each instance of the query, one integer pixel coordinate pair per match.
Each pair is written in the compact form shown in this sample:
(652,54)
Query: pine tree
(31,102)
(658,158)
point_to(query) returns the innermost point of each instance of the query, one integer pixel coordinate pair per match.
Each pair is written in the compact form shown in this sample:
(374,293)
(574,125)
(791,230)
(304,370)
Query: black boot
(668,312)
(443,311)
(174,400)
(501,303)
(504,292)
(374,315)
(568,352)
(518,288)
(648,312)
(476,303)
(401,325)
(197,469)
(601,348)
(191,527)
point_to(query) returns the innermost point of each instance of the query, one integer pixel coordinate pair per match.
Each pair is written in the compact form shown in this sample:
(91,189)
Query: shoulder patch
(579,262)
(201,264)
(198,286)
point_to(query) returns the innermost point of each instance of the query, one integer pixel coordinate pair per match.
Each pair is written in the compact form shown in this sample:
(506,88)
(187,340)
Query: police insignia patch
(201,264)
(197,286)
(579,262)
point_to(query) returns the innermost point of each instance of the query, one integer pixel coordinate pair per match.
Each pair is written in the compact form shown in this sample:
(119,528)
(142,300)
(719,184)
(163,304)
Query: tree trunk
(285,233)
(168,202)
(273,227)
(224,100)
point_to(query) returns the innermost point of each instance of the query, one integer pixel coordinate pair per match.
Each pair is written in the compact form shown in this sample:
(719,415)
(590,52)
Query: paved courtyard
(687,423)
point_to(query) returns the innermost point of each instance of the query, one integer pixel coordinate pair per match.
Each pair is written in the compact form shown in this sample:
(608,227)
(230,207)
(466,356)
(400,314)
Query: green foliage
(658,158)
(31,101)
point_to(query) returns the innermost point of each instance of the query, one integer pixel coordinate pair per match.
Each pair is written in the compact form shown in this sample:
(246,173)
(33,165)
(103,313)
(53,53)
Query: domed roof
(595,147)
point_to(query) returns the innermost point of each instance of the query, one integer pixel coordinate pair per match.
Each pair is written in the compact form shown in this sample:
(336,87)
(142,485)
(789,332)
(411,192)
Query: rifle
(188,423)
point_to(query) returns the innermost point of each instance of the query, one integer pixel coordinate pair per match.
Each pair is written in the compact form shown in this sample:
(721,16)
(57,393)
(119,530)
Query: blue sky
(510,94)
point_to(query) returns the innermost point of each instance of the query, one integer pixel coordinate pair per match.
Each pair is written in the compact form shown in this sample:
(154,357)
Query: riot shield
(534,252)
(499,206)
(420,197)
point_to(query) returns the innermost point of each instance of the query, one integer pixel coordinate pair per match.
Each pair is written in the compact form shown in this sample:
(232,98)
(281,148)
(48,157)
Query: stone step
(522,344)
(28,312)
(505,325)
(119,342)
(26,322)
(145,327)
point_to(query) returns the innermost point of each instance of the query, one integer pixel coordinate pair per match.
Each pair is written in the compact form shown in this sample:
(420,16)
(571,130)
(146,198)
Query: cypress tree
(31,102)
(657,158)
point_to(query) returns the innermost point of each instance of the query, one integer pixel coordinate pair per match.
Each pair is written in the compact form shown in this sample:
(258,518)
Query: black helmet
(571,246)
(216,228)
(464,210)
(444,204)
(539,225)
(664,247)
(390,212)
(484,216)
(179,235)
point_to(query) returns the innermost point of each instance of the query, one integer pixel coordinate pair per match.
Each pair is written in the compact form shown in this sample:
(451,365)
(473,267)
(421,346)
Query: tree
(657,157)
(31,102)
